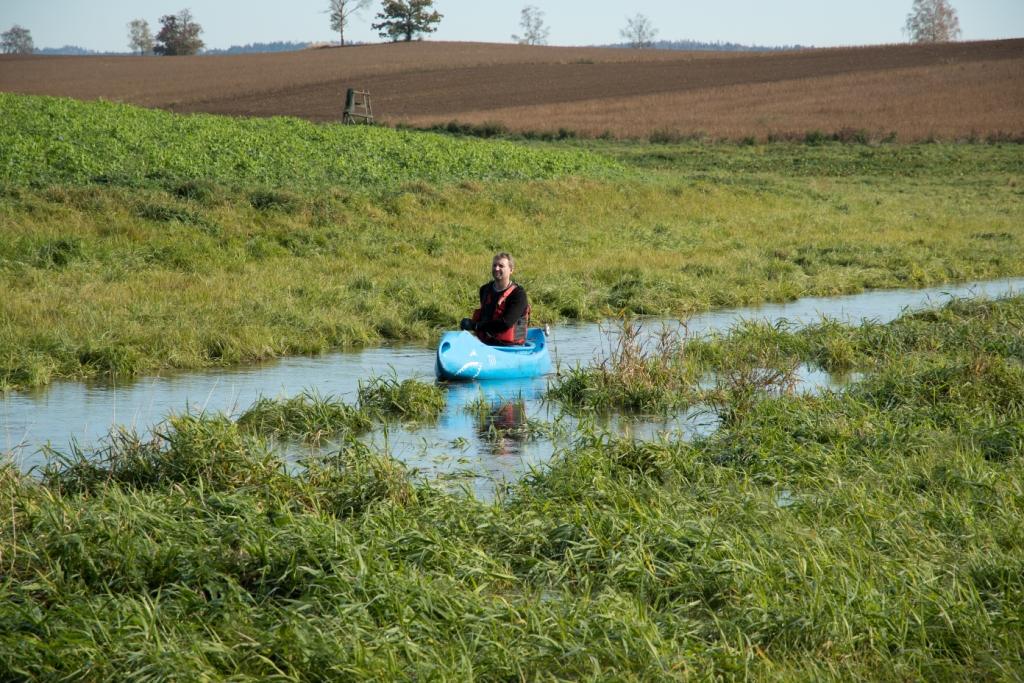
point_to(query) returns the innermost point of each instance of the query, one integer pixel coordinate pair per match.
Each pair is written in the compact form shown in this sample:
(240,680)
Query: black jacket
(515,308)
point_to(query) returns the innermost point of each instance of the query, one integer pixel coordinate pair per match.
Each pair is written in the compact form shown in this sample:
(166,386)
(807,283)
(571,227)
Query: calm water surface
(477,448)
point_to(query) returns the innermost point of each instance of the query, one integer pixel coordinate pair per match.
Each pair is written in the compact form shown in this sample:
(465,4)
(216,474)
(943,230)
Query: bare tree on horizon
(531,18)
(932,21)
(341,11)
(639,31)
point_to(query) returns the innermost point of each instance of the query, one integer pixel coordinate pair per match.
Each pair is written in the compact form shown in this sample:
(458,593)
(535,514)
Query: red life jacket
(512,336)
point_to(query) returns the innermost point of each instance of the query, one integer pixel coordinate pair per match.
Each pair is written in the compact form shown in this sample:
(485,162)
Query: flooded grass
(871,533)
(641,374)
(308,417)
(670,371)
(188,448)
(409,399)
(754,358)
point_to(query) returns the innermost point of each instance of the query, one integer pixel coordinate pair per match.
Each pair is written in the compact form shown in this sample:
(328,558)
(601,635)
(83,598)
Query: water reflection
(485,434)
(503,426)
(489,429)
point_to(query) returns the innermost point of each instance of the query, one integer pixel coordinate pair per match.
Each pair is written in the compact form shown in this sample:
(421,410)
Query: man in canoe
(504,312)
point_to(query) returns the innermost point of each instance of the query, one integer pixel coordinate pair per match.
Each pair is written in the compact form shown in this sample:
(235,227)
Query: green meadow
(874,532)
(133,241)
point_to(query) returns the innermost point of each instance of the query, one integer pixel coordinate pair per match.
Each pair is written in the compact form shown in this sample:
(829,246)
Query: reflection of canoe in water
(460,355)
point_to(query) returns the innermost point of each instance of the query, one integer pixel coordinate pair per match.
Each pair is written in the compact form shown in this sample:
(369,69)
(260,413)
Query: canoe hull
(461,356)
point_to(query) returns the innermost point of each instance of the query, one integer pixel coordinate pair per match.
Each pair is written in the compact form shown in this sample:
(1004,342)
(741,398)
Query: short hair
(505,255)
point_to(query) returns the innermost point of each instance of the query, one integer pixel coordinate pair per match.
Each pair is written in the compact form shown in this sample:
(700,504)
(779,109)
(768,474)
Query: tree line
(929,21)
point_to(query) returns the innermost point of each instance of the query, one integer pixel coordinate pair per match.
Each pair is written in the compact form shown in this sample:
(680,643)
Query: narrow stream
(460,445)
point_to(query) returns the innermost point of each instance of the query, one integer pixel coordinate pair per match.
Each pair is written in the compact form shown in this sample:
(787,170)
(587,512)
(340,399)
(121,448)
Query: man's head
(502,266)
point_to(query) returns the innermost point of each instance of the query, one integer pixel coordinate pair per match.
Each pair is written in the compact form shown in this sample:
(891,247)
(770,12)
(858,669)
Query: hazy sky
(101,24)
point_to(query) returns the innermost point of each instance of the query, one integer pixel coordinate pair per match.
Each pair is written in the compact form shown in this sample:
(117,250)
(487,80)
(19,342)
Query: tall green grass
(873,533)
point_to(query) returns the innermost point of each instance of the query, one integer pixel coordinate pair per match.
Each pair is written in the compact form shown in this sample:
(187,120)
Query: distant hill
(291,46)
(277,46)
(694,45)
(71,50)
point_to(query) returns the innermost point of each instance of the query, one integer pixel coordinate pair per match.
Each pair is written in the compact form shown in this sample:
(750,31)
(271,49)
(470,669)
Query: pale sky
(102,24)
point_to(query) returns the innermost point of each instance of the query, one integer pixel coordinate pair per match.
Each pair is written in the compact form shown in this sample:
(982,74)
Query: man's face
(501,270)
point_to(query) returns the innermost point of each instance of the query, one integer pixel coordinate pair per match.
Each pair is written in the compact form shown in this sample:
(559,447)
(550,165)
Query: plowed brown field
(948,90)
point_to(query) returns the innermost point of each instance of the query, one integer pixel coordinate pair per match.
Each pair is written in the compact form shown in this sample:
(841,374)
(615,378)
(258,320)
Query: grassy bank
(144,240)
(871,534)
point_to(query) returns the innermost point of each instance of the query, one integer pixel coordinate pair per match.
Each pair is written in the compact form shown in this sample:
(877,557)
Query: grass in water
(668,372)
(408,399)
(309,417)
(642,374)
(754,360)
(186,449)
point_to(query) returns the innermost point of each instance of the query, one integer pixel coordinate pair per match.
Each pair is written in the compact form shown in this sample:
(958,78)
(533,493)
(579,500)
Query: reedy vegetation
(144,240)
(874,533)
(671,370)
(642,374)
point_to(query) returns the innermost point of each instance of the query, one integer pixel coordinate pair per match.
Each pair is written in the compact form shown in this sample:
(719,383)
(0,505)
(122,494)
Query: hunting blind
(357,107)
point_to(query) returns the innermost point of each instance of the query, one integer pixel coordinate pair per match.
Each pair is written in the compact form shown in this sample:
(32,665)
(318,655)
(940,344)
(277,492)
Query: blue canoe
(460,355)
